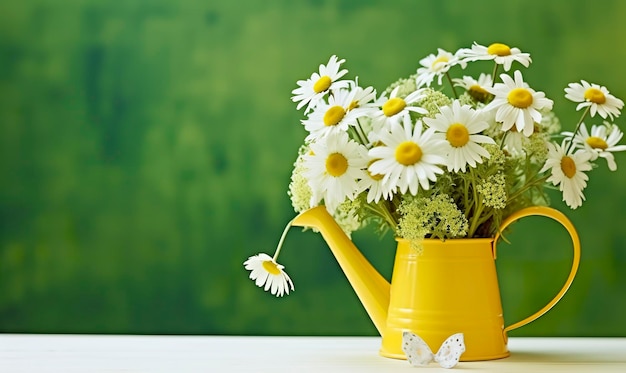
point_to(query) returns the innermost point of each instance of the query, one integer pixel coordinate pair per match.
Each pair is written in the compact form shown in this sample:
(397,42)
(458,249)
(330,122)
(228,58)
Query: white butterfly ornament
(418,353)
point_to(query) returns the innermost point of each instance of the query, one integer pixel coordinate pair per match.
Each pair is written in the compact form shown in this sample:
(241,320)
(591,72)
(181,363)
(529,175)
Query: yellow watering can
(449,287)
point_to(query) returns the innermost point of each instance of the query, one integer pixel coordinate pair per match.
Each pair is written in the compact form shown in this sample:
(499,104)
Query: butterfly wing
(415,349)
(450,351)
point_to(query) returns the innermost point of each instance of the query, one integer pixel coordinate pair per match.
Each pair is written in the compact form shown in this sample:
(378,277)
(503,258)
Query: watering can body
(446,287)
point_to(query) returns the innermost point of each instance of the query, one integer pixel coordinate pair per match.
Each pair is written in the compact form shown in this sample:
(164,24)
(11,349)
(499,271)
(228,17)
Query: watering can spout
(370,286)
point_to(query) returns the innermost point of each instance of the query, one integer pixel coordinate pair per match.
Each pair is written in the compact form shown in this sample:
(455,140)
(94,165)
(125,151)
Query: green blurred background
(147,147)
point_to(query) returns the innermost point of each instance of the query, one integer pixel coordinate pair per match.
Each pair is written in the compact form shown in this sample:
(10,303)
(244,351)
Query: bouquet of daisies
(437,156)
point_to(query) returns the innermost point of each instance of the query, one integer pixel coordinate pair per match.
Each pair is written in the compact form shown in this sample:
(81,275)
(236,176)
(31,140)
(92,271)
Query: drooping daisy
(435,66)
(408,156)
(568,172)
(517,104)
(335,116)
(334,167)
(266,273)
(597,98)
(393,109)
(312,90)
(476,88)
(601,142)
(502,54)
(459,127)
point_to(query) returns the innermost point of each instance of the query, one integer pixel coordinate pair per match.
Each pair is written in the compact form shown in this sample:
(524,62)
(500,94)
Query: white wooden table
(115,353)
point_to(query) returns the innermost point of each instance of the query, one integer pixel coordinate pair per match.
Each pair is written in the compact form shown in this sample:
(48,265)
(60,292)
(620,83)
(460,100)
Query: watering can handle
(561,218)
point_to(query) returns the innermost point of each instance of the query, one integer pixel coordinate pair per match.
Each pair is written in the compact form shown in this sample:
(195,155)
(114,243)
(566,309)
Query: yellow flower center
(334,115)
(336,164)
(457,135)
(595,95)
(478,89)
(499,49)
(353,105)
(439,60)
(377,177)
(322,84)
(393,106)
(520,98)
(478,93)
(408,153)
(568,166)
(597,143)
(271,268)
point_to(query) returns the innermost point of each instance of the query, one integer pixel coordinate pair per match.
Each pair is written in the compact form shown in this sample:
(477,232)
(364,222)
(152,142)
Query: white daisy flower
(334,167)
(597,98)
(517,104)
(266,273)
(395,108)
(459,127)
(514,142)
(408,158)
(312,90)
(476,88)
(435,66)
(376,188)
(601,142)
(363,97)
(502,54)
(568,172)
(335,116)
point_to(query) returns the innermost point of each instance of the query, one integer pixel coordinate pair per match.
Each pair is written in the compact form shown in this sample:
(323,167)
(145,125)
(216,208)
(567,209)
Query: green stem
(525,187)
(466,206)
(493,74)
(384,213)
(361,133)
(282,239)
(355,135)
(580,122)
(478,206)
(504,138)
(475,219)
(452,85)
(485,218)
